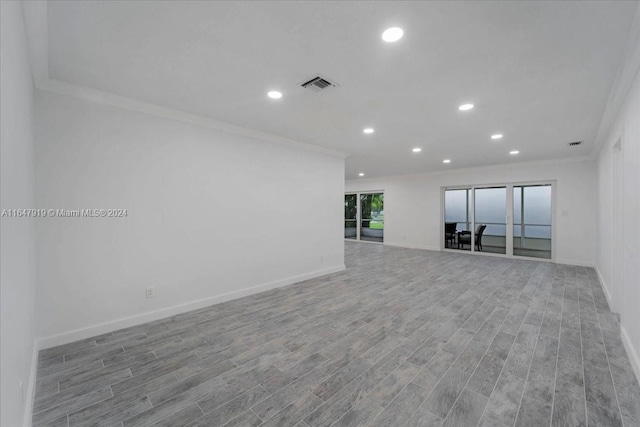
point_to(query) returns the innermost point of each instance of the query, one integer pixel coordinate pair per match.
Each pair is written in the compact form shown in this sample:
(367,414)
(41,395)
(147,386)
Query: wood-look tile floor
(401,338)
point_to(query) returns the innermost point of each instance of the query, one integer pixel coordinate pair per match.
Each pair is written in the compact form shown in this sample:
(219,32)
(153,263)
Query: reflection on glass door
(457,218)
(350,216)
(532,221)
(490,220)
(372,217)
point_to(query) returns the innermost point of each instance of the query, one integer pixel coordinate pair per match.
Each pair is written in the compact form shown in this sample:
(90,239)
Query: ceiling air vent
(318,84)
(575,143)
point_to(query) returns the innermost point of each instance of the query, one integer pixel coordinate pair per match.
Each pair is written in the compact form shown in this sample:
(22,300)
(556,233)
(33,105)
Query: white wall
(17,253)
(413,204)
(211,216)
(622,255)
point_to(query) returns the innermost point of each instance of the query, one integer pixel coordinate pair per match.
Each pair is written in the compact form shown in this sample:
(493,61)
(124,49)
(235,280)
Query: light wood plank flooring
(401,338)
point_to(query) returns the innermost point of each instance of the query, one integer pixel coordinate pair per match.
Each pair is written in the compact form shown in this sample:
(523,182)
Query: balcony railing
(530,242)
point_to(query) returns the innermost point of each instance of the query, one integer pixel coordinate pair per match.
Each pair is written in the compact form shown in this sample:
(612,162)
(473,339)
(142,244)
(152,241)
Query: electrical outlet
(150,292)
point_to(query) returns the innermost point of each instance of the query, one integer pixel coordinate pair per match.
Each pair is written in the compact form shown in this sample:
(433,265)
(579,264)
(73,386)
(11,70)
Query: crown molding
(110,99)
(36,21)
(628,69)
(499,166)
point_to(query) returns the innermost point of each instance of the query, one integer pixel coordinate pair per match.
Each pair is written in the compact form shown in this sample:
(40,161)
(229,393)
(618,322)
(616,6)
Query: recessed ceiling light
(392,34)
(465,107)
(274,94)
(514,152)
(367,130)
(496,136)
(361,174)
(446,161)
(417,150)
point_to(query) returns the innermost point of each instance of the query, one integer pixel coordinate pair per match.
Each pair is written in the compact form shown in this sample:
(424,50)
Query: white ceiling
(538,72)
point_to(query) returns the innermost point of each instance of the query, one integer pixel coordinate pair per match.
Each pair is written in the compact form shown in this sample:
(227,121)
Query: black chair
(450,233)
(464,237)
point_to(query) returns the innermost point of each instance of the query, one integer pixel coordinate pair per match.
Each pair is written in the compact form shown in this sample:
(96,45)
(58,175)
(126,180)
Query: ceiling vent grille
(318,84)
(575,143)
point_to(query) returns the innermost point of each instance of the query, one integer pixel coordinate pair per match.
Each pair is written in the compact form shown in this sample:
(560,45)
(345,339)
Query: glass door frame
(359,215)
(508,219)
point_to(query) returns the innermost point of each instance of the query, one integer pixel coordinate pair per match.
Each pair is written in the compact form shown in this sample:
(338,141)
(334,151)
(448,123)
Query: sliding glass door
(364,217)
(372,217)
(490,218)
(532,221)
(457,217)
(351,216)
(510,219)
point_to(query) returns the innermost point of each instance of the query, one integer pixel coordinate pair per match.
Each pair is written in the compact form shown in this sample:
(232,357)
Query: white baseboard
(575,262)
(411,246)
(607,293)
(437,248)
(634,359)
(94,330)
(31,386)
(631,351)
